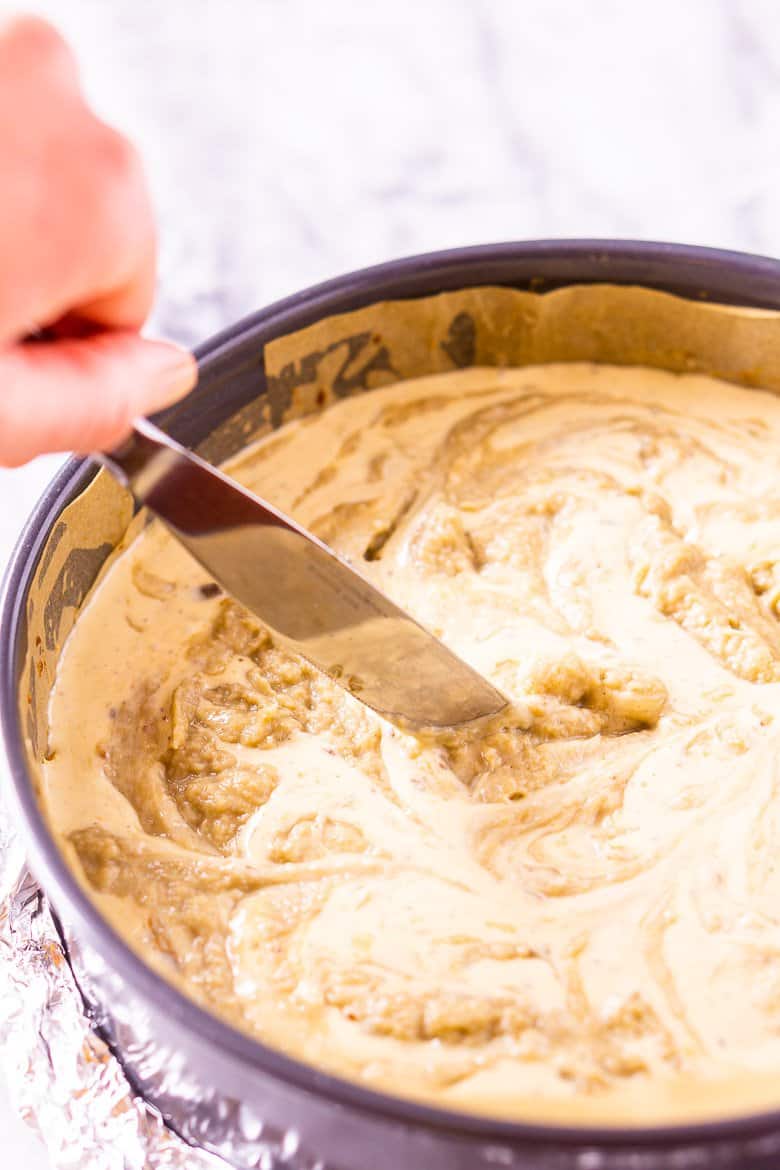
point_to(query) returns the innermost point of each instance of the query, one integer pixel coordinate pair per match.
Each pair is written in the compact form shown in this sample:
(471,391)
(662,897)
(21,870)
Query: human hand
(77,263)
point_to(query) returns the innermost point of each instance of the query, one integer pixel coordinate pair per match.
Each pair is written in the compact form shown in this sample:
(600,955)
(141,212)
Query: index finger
(77,231)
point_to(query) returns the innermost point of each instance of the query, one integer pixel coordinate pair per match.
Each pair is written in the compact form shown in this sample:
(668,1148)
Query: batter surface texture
(571,912)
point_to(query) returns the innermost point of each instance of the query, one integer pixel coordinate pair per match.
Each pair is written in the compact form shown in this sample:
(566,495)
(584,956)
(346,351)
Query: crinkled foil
(68,1083)
(63,1078)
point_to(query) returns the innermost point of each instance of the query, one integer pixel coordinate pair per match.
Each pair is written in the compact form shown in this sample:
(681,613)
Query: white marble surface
(290,140)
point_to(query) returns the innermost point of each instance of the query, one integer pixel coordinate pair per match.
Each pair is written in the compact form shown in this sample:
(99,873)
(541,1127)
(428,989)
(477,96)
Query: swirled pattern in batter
(575,910)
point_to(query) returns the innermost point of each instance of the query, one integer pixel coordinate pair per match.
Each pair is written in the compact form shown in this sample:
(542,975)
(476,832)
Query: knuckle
(115,155)
(35,40)
(113,195)
(118,188)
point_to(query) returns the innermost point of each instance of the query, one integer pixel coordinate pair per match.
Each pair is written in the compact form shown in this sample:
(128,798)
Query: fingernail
(175,375)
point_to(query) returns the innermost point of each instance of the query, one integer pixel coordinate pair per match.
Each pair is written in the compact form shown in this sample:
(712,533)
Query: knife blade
(308,596)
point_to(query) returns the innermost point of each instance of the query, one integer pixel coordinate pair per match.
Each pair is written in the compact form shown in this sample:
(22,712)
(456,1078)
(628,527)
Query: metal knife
(311,599)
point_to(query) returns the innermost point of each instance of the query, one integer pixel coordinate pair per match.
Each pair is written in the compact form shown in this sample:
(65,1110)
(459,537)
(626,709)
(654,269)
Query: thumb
(83,393)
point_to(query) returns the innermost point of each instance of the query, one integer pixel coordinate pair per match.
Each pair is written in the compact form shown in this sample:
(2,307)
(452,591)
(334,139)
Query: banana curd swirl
(571,912)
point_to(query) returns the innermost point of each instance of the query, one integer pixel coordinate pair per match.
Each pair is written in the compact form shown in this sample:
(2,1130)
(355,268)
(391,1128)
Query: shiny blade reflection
(302,591)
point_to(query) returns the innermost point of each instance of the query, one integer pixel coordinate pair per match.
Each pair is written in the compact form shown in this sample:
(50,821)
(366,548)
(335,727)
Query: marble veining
(288,142)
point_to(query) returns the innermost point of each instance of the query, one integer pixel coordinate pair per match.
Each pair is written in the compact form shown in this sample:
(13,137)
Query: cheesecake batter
(573,911)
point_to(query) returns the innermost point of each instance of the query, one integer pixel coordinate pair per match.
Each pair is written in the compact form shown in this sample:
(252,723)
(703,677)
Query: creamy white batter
(575,913)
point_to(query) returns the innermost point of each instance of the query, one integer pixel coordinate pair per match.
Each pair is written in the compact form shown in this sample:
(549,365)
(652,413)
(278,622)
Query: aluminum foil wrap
(65,1077)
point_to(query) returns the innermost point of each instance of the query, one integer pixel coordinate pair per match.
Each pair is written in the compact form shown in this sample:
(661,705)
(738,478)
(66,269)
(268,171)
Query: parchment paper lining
(392,341)
(334,358)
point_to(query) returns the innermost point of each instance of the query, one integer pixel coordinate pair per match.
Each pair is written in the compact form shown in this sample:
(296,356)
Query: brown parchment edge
(624,325)
(382,343)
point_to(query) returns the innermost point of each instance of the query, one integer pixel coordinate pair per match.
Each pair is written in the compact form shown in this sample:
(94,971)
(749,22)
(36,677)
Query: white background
(290,140)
